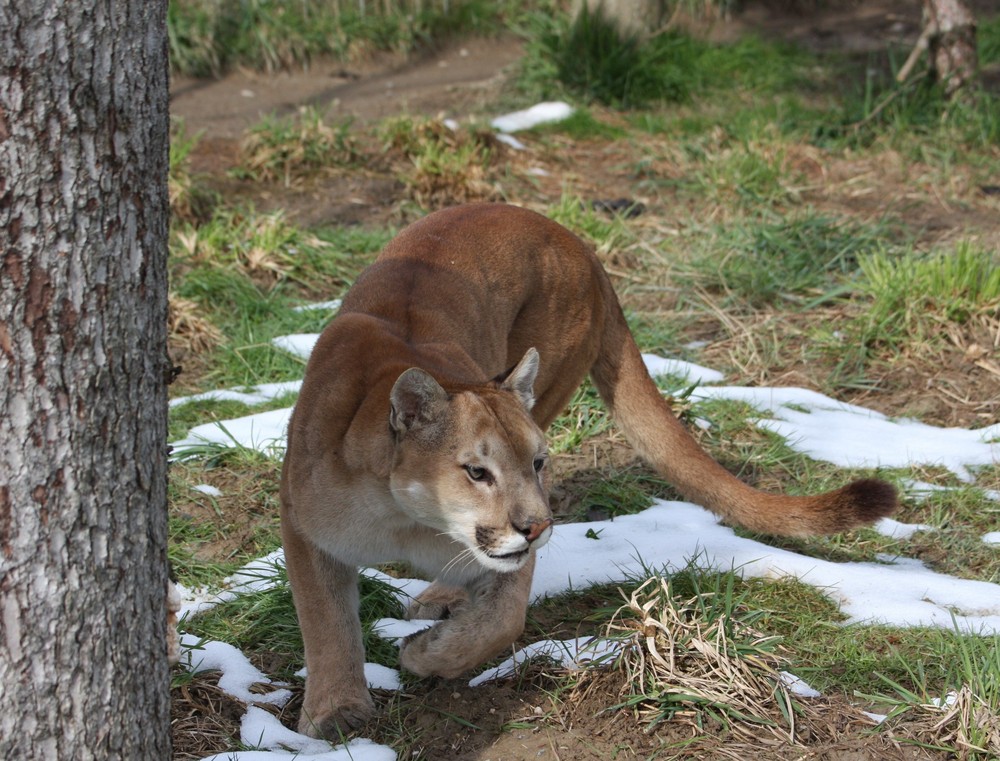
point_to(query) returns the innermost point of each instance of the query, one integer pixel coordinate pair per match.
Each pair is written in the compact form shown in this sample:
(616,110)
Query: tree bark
(634,18)
(83,303)
(951,40)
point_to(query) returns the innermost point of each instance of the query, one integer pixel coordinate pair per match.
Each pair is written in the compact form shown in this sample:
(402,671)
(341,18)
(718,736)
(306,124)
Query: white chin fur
(507,564)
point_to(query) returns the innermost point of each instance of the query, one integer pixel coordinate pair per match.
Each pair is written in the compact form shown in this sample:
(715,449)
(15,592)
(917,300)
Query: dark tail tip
(869,500)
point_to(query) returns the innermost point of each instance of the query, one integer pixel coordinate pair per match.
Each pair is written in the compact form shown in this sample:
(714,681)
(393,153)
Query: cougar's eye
(539,463)
(477,473)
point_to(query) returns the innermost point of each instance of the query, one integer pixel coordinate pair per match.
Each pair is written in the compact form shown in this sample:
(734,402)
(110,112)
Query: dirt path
(460,78)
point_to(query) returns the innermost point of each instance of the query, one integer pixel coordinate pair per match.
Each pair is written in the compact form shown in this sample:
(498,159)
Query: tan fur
(444,466)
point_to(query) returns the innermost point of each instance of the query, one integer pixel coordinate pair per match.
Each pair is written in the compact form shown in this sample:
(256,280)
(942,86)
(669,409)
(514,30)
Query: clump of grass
(187,327)
(623,492)
(291,148)
(960,715)
(442,165)
(697,656)
(915,115)
(914,295)
(264,247)
(793,259)
(593,58)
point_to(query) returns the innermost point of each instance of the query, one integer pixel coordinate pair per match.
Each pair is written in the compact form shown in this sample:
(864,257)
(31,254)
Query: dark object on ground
(626,207)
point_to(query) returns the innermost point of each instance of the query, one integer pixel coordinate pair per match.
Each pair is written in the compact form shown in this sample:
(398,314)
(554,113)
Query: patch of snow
(265,729)
(397,629)
(797,686)
(854,437)
(896,530)
(263,431)
(238,674)
(381,677)
(657,365)
(921,490)
(669,534)
(211,491)
(256,576)
(327,305)
(568,653)
(541,113)
(297,344)
(248,395)
(511,141)
(260,729)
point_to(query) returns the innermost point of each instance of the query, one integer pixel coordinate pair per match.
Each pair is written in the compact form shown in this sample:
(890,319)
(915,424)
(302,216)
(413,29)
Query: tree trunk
(83,302)
(634,18)
(951,41)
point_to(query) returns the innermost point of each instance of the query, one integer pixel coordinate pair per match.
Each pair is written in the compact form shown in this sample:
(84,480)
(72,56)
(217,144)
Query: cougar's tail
(649,424)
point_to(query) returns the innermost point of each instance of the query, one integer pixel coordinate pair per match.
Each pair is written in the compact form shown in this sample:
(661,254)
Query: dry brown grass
(188,329)
(288,150)
(966,726)
(443,165)
(685,666)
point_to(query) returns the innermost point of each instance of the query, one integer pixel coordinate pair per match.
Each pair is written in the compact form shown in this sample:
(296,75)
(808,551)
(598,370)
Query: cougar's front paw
(437,602)
(448,649)
(335,722)
(425,654)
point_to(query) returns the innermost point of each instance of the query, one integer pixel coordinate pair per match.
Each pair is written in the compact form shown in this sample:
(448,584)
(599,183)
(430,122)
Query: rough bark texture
(951,42)
(639,18)
(83,231)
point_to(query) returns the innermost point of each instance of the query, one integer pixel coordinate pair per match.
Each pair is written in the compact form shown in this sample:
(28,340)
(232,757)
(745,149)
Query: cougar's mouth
(509,555)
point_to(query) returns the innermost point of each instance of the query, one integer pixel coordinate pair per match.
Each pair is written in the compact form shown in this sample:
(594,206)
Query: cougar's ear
(521,380)
(415,400)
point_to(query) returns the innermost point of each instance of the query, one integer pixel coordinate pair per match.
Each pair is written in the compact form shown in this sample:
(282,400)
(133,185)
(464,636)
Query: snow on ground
(855,437)
(897,591)
(251,395)
(541,113)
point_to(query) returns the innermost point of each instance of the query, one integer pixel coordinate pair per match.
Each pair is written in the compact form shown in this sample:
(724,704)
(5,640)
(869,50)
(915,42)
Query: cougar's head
(473,463)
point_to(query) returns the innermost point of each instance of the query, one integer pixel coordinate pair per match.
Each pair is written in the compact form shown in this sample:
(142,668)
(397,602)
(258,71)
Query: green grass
(625,491)
(879,111)
(584,417)
(798,259)
(581,125)
(284,149)
(589,58)
(912,296)
(606,232)
(988,40)
(210,37)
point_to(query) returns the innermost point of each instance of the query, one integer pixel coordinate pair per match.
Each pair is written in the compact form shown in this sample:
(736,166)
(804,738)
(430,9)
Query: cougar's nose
(534,529)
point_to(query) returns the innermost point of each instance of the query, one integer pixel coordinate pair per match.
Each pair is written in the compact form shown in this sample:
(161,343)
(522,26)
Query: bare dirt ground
(522,720)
